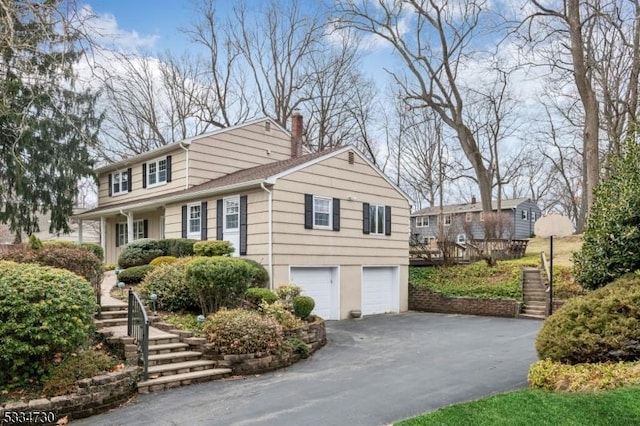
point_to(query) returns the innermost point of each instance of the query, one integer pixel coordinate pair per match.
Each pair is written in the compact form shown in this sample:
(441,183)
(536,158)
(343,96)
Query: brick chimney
(296,134)
(473,199)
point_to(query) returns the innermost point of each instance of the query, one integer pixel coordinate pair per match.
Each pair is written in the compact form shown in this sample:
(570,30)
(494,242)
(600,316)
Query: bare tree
(434,40)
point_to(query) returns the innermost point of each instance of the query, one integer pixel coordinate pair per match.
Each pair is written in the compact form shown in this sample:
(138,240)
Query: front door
(231,229)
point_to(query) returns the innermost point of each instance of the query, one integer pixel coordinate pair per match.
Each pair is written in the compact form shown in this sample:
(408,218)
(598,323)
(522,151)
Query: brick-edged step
(163,339)
(173,357)
(167,348)
(180,367)
(175,380)
(110,322)
(531,316)
(105,308)
(113,314)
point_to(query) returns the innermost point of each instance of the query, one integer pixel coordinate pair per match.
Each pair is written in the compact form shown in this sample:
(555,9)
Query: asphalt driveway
(371,372)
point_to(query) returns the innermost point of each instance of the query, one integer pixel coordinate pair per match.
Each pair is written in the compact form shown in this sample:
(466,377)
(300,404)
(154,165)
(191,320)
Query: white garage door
(380,290)
(321,284)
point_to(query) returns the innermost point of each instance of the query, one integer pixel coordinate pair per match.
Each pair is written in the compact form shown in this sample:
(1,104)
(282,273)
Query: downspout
(185,145)
(270,204)
(129,225)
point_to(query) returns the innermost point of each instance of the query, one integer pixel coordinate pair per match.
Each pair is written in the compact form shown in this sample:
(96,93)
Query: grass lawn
(563,248)
(539,408)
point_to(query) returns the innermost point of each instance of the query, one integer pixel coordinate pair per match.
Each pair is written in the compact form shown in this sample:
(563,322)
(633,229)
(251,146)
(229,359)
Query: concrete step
(531,316)
(111,322)
(168,382)
(120,307)
(164,339)
(533,299)
(113,314)
(167,348)
(173,357)
(534,311)
(179,368)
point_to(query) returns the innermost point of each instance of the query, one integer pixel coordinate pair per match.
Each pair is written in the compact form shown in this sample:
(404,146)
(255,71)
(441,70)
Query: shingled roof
(468,207)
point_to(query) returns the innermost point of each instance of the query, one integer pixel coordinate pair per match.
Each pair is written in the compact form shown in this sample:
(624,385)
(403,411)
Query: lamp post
(121,287)
(154,298)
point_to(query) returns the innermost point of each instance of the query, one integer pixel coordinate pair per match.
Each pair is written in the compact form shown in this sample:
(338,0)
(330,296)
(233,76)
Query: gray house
(462,222)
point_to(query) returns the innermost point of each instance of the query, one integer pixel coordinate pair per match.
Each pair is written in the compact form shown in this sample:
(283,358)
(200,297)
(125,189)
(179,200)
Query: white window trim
(139,224)
(533,216)
(157,172)
(481,216)
(190,234)
(423,225)
(444,219)
(384,221)
(525,215)
(468,217)
(224,214)
(125,226)
(330,212)
(113,178)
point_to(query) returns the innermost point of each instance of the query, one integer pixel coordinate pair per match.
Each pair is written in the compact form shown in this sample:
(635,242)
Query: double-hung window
(422,221)
(120,182)
(376,219)
(122,232)
(525,215)
(232,213)
(195,221)
(447,220)
(157,172)
(322,212)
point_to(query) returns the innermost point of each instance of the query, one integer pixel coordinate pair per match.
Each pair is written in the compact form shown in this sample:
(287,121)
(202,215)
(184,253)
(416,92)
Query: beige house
(330,222)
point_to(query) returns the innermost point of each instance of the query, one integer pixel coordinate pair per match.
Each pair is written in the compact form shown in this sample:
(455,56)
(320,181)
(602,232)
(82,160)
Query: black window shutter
(110,185)
(219,217)
(130,178)
(185,220)
(387,220)
(168,168)
(308,211)
(145,225)
(203,220)
(336,214)
(243,225)
(144,175)
(366,226)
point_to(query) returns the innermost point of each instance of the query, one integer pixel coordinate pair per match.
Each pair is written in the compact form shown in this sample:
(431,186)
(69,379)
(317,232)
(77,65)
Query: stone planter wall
(421,299)
(313,334)
(93,396)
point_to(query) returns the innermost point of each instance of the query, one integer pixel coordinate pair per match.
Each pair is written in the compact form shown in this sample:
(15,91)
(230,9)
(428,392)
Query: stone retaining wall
(93,396)
(313,334)
(421,299)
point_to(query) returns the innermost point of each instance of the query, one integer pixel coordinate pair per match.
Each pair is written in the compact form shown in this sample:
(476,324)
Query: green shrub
(217,281)
(611,245)
(177,247)
(161,260)
(256,295)
(168,281)
(74,259)
(140,252)
(556,376)
(34,242)
(298,346)
(43,312)
(303,305)
(211,248)
(84,364)
(281,314)
(135,274)
(259,274)
(109,267)
(602,326)
(92,247)
(287,292)
(243,332)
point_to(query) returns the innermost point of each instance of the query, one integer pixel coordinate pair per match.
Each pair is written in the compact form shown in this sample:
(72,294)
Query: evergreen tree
(47,126)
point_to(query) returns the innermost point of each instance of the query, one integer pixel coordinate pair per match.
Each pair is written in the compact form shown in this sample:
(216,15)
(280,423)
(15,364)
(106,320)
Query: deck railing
(138,328)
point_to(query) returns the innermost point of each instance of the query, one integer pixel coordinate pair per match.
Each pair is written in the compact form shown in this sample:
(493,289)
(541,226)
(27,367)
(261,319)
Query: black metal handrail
(138,328)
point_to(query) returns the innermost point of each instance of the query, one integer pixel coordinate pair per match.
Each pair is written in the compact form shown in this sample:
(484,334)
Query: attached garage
(323,285)
(380,290)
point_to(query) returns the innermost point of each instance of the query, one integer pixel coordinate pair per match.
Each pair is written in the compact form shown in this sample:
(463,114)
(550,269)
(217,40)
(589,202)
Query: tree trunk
(473,154)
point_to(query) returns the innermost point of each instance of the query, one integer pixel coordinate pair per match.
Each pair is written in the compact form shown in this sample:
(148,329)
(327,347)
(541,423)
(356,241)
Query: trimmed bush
(109,267)
(556,376)
(168,281)
(44,311)
(34,242)
(74,259)
(135,274)
(256,295)
(92,247)
(217,282)
(611,245)
(162,260)
(140,252)
(302,306)
(260,275)
(243,332)
(211,248)
(602,326)
(287,292)
(177,247)
(281,314)
(298,346)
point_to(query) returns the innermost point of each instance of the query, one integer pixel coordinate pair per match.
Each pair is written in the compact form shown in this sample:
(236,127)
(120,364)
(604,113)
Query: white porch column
(129,227)
(80,230)
(103,235)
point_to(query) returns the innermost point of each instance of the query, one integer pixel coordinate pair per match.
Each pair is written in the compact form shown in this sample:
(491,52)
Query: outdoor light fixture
(200,319)
(117,270)
(154,298)
(121,287)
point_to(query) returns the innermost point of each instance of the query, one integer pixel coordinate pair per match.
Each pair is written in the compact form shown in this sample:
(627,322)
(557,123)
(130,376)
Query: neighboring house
(330,222)
(90,230)
(464,222)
